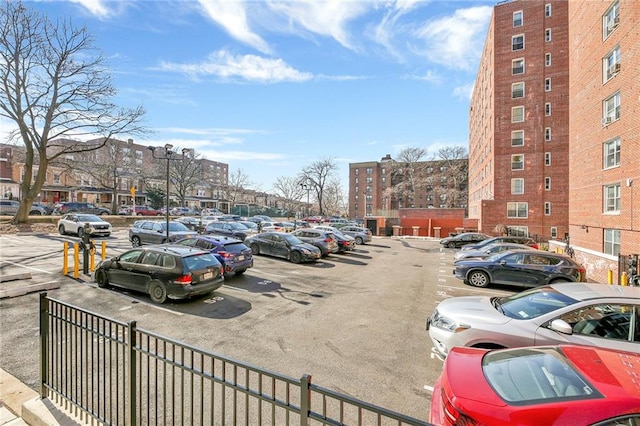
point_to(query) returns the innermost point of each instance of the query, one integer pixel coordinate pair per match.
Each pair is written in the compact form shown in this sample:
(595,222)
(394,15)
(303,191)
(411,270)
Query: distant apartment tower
(381,188)
(519,122)
(604,129)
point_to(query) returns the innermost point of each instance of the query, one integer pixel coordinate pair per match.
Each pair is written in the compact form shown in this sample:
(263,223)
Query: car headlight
(448,324)
(306,251)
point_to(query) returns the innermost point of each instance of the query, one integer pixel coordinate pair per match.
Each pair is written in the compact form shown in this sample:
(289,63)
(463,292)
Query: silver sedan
(579,313)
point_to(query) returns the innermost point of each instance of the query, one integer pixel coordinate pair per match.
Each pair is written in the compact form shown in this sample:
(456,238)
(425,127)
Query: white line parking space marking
(27,267)
(478,290)
(429,388)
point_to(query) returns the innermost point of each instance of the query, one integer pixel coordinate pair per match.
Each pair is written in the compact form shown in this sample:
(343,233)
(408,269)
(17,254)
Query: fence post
(305,399)
(44,337)
(131,376)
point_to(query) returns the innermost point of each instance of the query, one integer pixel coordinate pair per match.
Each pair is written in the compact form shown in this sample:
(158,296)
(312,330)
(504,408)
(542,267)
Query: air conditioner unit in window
(616,67)
(616,20)
(606,120)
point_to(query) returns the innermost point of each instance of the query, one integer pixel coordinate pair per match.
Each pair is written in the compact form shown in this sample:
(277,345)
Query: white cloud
(243,67)
(324,17)
(456,41)
(232,16)
(465,91)
(95,7)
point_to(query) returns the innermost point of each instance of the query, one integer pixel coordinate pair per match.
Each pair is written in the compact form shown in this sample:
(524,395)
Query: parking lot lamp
(306,187)
(166,155)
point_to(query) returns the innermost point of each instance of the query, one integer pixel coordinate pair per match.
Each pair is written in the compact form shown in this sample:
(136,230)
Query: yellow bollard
(610,277)
(65,258)
(92,259)
(103,254)
(624,279)
(76,261)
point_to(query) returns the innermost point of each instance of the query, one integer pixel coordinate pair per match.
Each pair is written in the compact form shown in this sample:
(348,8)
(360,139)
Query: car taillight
(535,246)
(454,417)
(328,240)
(183,280)
(225,254)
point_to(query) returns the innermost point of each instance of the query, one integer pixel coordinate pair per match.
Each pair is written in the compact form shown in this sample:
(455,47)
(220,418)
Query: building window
(517,19)
(517,114)
(517,90)
(547,35)
(611,64)
(517,138)
(610,20)
(547,158)
(612,198)
(547,109)
(547,134)
(547,10)
(517,162)
(611,154)
(554,232)
(612,242)
(547,184)
(517,66)
(517,42)
(547,84)
(517,210)
(56,178)
(547,208)
(517,186)
(547,59)
(369,170)
(611,109)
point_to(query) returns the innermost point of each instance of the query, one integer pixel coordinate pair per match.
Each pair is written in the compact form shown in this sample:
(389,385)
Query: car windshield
(531,375)
(237,226)
(89,218)
(175,227)
(532,303)
(291,239)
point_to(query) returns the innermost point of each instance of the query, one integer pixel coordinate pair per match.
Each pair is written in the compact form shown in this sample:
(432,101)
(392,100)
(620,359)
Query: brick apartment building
(519,122)
(604,129)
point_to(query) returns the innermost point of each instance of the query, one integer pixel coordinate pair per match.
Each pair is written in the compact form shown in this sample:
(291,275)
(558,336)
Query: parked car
(73,223)
(234,255)
(192,222)
(559,385)
(360,235)
(345,242)
(230,229)
(314,219)
(489,249)
(78,207)
(519,268)
(139,211)
(43,209)
(463,239)
(284,245)
(210,212)
(164,272)
(502,239)
(325,241)
(576,313)
(277,226)
(183,211)
(229,218)
(251,225)
(10,208)
(155,232)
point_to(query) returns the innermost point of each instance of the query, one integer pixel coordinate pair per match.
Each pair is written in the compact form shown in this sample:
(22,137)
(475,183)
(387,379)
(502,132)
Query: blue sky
(271,86)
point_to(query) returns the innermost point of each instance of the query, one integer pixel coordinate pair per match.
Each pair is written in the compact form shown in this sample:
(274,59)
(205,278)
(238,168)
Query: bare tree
(408,175)
(238,181)
(317,175)
(54,85)
(455,165)
(290,190)
(334,198)
(185,173)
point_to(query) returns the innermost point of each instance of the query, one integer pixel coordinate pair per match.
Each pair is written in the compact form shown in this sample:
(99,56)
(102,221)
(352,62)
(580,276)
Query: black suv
(169,271)
(77,207)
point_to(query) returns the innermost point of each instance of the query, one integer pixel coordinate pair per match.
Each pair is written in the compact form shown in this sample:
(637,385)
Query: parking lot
(354,322)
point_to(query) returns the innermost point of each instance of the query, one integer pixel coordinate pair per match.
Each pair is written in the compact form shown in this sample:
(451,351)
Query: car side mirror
(561,326)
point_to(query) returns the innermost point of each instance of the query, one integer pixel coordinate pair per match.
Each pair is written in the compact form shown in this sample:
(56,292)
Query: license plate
(207,275)
(241,257)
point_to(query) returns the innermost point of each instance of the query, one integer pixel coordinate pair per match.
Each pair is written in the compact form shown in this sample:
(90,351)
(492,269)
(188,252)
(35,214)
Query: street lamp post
(306,187)
(166,155)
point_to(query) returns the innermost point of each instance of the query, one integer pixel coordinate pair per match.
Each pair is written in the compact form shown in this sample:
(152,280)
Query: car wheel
(359,240)
(35,213)
(255,248)
(139,214)
(451,245)
(80,232)
(135,241)
(295,257)
(240,271)
(478,279)
(158,292)
(101,278)
(61,229)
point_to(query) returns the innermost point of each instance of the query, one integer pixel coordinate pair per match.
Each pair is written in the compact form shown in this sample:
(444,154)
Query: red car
(550,385)
(147,211)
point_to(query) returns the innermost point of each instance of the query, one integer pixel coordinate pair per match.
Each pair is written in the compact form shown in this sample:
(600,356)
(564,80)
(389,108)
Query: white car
(73,223)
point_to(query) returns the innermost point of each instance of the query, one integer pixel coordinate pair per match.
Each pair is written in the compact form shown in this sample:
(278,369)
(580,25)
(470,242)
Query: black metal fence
(113,373)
